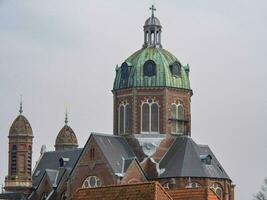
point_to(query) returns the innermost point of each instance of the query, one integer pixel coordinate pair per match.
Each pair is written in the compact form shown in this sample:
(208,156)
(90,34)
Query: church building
(151,145)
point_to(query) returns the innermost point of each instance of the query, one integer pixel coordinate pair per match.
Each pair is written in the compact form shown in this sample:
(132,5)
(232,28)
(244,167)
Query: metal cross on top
(152,8)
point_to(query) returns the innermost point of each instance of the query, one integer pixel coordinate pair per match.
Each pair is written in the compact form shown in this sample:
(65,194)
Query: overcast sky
(58,52)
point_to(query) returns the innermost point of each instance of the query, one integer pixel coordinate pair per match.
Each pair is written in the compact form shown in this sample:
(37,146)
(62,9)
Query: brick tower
(20,155)
(151,89)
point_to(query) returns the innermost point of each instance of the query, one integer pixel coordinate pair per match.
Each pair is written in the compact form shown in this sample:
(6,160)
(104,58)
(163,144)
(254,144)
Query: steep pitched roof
(49,165)
(144,191)
(193,194)
(116,150)
(183,159)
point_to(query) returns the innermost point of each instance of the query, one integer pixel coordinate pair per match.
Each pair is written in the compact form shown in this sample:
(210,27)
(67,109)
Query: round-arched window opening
(149,68)
(124,70)
(176,69)
(91,182)
(217,190)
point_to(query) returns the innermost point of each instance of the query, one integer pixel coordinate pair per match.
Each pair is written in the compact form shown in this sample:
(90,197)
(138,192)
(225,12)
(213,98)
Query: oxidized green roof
(163,77)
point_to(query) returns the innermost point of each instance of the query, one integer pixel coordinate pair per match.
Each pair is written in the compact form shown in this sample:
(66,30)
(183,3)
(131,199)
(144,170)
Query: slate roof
(138,191)
(183,159)
(49,165)
(115,149)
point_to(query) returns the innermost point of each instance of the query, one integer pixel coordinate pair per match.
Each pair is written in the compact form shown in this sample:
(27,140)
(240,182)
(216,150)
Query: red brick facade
(165,97)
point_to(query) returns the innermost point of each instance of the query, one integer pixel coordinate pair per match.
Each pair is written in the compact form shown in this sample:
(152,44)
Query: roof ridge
(105,134)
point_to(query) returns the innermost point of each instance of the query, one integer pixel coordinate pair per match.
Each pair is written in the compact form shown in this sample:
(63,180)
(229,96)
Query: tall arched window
(150,116)
(124,118)
(29,160)
(14,160)
(177,114)
(216,187)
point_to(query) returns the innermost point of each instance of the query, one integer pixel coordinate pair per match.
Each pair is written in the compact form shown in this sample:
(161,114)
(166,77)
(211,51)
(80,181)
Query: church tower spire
(152,31)
(66,138)
(20,155)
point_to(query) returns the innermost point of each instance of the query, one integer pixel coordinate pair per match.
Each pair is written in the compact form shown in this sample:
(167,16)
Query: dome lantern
(152,31)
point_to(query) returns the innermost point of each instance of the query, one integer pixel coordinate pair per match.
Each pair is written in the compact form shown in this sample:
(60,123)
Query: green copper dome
(152,67)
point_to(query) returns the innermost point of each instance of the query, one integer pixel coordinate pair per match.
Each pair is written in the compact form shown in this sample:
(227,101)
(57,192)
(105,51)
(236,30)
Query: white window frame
(176,117)
(122,104)
(149,115)
(88,182)
(215,187)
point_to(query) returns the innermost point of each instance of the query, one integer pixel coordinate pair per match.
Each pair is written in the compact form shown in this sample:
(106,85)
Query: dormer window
(206,159)
(124,74)
(149,68)
(176,69)
(63,161)
(124,70)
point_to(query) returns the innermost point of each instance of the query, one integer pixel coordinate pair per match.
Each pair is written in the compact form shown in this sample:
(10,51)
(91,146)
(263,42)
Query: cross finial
(152,8)
(66,116)
(20,105)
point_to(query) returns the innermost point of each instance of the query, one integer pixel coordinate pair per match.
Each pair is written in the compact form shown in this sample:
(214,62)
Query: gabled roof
(115,150)
(49,164)
(144,191)
(183,159)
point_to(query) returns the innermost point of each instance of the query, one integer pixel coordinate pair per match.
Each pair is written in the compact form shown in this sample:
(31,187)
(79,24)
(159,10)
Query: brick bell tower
(151,91)
(19,155)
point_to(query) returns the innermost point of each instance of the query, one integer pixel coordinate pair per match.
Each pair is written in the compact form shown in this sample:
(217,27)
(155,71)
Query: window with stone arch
(92,182)
(178,119)
(124,114)
(150,116)
(217,189)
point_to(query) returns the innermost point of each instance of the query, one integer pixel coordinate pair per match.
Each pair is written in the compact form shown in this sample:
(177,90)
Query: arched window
(176,69)
(14,160)
(150,116)
(91,182)
(124,74)
(177,114)
(29,160)
(217,189)
(124,118)
(149,68)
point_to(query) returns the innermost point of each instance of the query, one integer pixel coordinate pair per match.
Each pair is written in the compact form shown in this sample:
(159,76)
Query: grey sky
(58,52)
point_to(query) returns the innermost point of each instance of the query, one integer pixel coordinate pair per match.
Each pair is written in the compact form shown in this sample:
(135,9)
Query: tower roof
(132,73)
(66,139)
(20,127)
(152,66)
(152,21)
